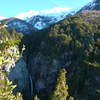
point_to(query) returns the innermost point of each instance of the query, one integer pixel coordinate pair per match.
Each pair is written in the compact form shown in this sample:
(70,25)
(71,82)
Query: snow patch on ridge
(1,17)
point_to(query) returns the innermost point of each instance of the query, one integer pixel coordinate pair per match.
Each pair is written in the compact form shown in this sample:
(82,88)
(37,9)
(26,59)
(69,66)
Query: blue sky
(9,8)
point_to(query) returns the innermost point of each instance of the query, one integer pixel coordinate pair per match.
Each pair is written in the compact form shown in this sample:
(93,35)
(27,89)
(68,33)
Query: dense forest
(62,60)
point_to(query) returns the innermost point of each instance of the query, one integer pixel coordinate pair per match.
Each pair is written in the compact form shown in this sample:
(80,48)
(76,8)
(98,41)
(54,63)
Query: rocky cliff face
(16,70)
(43,71)
(19,75)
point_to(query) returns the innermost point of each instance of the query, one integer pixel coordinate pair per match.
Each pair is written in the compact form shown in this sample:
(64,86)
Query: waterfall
(31,85)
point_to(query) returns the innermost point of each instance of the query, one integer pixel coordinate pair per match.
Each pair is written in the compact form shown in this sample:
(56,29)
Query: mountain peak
(94,5)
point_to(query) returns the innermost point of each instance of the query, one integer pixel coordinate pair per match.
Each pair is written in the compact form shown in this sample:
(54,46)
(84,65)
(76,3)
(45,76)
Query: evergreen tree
(36,98)
(6,89)
(61,90)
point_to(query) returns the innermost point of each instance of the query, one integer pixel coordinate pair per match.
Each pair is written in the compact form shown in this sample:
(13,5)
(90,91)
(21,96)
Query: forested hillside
(73,44)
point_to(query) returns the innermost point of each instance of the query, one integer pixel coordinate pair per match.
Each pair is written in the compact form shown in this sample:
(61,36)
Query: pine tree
(6,89)
(36,98)
(60,91)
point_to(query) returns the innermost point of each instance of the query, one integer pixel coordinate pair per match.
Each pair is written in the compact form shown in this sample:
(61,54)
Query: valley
(52,56)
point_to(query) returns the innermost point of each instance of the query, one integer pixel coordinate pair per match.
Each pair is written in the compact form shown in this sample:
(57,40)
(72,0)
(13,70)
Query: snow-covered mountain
(44,18)
(42,21)
(19,25)
(94,5)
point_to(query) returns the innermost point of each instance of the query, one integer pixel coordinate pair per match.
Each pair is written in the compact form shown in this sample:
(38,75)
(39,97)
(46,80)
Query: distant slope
(94,5)
(19,25)
(91,16)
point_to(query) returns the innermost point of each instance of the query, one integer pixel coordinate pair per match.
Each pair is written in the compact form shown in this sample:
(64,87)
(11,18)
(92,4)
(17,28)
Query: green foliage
(6,89)
(60,91)
(11,35)
(8,51)
(71,98)
(36,98)
(57,44)
(94,64)
(98,91)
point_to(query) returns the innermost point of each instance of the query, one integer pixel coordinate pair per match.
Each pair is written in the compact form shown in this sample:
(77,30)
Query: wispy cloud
(55,10)
(42,12)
